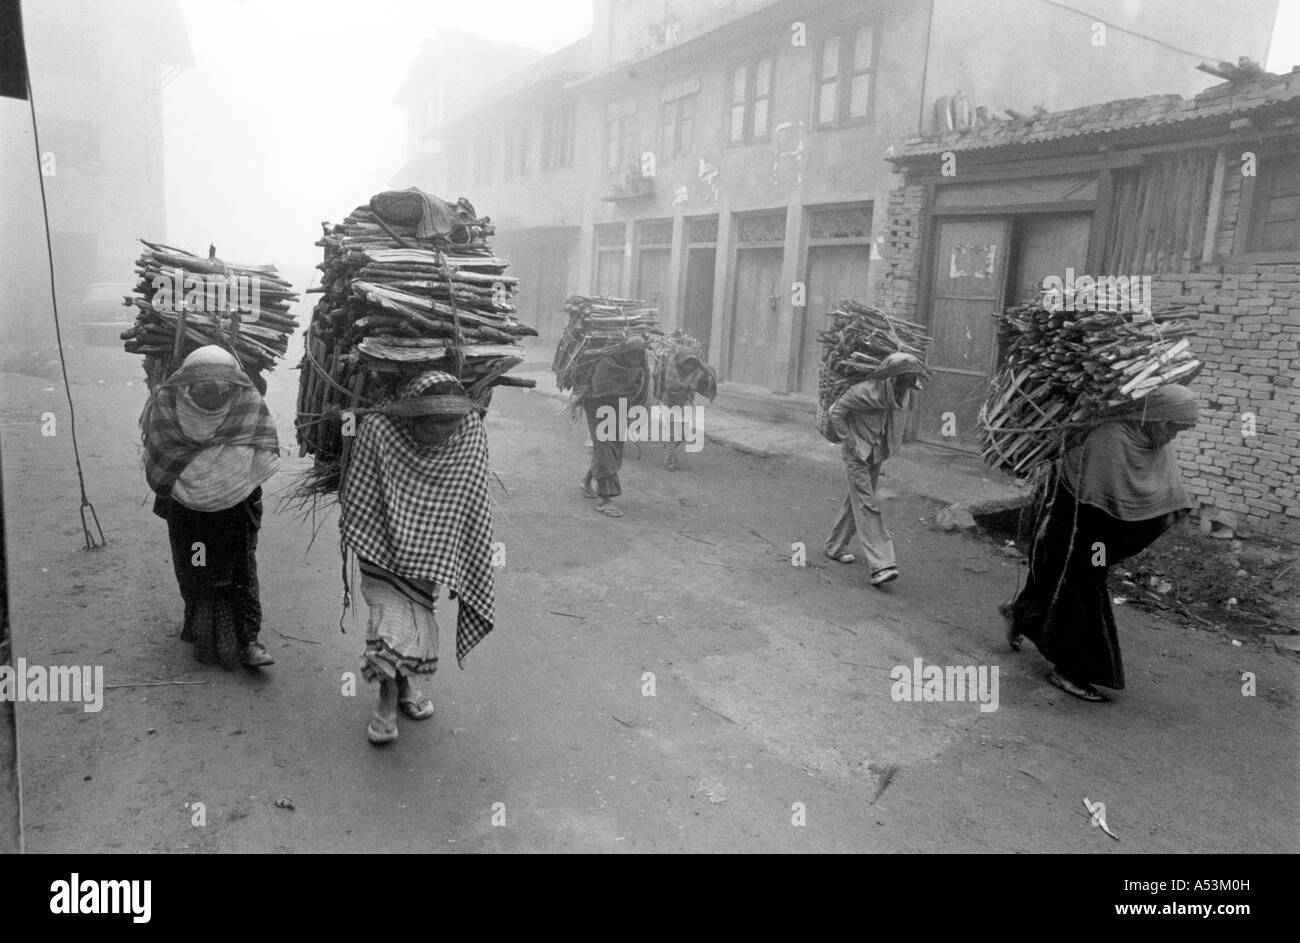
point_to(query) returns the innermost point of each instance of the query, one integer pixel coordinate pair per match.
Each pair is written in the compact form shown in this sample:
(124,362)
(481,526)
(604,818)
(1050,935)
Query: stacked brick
(1249,337)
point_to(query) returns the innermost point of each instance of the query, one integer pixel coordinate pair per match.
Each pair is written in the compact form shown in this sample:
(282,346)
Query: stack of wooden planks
(596,327)
(1063,369)
(244,308)
(396,304)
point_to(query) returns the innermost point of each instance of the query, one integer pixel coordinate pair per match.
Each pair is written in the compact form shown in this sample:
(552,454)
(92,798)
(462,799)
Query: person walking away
(869,418)
(1116,492)
(414,509)
(619,378)
(684,375)
(210,444)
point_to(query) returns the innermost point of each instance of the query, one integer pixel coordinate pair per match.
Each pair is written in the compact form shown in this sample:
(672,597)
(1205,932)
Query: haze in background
(287,117)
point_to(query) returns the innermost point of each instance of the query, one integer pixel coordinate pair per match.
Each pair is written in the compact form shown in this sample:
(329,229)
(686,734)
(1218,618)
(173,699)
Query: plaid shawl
(168,450)
(422,512)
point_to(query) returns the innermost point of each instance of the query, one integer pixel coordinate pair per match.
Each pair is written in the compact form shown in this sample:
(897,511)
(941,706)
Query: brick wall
(897,281)
(1248,335)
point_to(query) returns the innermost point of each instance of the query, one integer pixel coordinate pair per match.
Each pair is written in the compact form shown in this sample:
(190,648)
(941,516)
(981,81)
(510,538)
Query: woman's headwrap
(177,430)
(433,393)
(897,364)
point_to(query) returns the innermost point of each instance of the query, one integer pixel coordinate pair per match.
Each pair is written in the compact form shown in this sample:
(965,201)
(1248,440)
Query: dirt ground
(772,692)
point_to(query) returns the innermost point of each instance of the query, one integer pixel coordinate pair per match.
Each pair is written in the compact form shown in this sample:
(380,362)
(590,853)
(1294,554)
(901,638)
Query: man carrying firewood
(869,419)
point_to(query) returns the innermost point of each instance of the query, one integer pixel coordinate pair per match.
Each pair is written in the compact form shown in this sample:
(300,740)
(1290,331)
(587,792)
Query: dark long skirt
(606,457)
(1077,633)
(223,609)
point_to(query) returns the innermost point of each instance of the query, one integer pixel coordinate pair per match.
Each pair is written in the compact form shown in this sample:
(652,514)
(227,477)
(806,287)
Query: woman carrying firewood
(1115,493)
(209,445)
(680,373)
(619,381)
(414,509)
(869,420)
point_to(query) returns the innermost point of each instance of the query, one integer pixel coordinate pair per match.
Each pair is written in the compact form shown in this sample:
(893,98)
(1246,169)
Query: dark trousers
(606,457)
(1064,608)
(214,556)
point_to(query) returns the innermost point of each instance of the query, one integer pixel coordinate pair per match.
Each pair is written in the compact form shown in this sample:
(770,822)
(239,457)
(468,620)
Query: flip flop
(418,707)
(1085,693)
(380,731)
(844,557)
(1014,638)
(586,490)
(886,575)
(609,510)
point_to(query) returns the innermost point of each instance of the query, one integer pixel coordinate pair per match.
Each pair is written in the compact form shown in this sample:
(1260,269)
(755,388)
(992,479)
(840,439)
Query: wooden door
(697,317)
(609,273)
(967,285)
(754,316)
(834,272)
(1047,245)
(652,280)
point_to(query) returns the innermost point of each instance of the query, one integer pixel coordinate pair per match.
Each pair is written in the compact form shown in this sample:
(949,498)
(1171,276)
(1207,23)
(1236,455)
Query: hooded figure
(209,445)
(1116,492)
(619,378)
(414,508)
(869,418)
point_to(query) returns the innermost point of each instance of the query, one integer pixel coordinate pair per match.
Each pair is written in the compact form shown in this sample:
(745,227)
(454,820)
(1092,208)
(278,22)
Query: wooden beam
(1216,202)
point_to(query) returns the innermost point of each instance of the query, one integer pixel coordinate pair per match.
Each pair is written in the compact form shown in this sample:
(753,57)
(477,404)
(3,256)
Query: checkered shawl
(422,512)
(168,450)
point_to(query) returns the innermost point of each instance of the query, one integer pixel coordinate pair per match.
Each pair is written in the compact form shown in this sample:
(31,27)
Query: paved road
(772,695)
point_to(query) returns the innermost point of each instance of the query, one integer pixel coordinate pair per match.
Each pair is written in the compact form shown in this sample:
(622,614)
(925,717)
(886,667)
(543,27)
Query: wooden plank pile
(395,304)
(1063,369)
(207,294)
(596,327)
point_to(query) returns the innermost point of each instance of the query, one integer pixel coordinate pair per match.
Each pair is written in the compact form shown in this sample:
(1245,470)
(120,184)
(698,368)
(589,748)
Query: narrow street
(771,684)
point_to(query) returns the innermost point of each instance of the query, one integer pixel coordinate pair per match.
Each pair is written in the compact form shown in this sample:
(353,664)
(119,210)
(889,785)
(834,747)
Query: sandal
(609,510)
(883,576)
(416,707)
(1084,692)
(380,730)
(586,489)
(844,557)
(1014,638)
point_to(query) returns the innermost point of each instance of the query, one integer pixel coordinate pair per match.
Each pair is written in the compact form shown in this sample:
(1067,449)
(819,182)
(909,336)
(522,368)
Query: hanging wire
(91,542)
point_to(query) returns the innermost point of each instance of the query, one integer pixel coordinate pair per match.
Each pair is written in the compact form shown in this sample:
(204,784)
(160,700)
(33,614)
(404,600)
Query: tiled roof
(1233,98)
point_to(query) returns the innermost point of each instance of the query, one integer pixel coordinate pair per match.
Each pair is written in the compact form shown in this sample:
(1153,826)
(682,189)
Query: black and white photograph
(694,427)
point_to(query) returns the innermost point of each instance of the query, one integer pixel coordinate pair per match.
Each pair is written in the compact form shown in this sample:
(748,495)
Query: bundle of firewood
(186,301)
(1062,370)
(859,338)
(596,327)
(409,284)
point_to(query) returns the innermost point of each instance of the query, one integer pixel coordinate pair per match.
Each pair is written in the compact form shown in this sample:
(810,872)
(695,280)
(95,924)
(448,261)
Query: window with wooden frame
(750,101)
(557,137)
(1274,206)
(677,138)
(620,130)
(845,74)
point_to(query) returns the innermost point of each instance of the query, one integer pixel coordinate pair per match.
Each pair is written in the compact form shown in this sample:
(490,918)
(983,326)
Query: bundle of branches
(598,326)
(1064,369)
(858,339)
(185,302)
(409,284)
